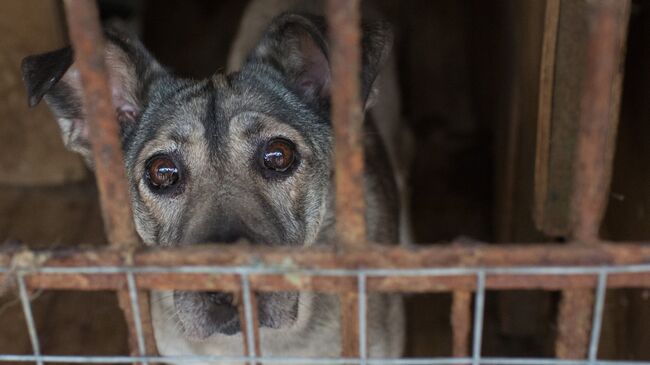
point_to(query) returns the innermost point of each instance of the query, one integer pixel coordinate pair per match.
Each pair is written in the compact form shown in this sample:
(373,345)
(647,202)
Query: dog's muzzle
(202,314)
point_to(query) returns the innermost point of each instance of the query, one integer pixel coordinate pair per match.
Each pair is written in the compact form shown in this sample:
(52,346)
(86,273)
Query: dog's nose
(228,233)
(220,298)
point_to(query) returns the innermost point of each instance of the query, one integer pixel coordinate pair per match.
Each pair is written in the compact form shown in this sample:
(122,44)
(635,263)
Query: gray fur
(213,129)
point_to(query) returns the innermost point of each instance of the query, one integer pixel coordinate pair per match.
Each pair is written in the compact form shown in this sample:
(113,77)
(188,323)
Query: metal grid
(355,267)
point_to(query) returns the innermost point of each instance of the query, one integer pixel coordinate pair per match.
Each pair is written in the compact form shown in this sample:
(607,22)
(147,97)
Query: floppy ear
(296,45)
(54,77)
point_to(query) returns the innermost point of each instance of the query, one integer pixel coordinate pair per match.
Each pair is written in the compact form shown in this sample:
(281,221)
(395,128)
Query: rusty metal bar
(349,304)
(104,132)
(607,21)
(88,42)
(410,284)
(347,116)
(574,319)
(545,267)
(461,314)
(448,256)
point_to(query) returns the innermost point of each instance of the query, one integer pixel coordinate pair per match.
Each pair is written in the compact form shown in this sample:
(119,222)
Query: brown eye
(161,172)
(279,154)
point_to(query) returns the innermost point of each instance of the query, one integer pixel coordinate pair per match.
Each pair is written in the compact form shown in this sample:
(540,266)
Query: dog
(239,157)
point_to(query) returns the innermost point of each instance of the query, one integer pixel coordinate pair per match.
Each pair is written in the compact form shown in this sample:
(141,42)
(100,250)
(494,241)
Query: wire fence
(601,273)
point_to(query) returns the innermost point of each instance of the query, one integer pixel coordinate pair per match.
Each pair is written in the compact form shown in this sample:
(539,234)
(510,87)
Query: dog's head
(238,157)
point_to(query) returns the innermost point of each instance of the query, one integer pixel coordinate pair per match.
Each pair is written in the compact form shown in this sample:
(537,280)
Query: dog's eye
(161,172)
(279,154)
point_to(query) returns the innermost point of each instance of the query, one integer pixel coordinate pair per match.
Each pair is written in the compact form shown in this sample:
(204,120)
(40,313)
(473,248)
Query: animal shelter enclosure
(554,127)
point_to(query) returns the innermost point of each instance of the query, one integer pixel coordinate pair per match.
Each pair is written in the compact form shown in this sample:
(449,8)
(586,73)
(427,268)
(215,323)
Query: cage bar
(251,335)
(137,319)
(549,267)
(608,21)
(599,111)
(597,321)
(479,306)
(461,313)
(88,42)
(29,319)
(343,17)
(347,116)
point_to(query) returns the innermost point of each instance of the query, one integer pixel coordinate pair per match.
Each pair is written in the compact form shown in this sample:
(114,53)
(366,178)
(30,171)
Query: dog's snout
(229,231)
(220,298)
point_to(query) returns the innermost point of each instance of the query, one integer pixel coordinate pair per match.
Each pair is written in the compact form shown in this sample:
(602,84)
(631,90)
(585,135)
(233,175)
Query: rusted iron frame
(380,257)
(347,116)
(607,21)
(376,257)
(344,18)
(461,316)
(104,132)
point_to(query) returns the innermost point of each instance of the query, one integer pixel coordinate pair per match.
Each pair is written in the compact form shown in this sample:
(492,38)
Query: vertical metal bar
(88,42)
(249,317)
(350,336)
(479,306)
(461,313)
(347,117)
(598,317)
(607,21)
(363,313)
(29,318)
(344,31)
(574,318)
(135,308)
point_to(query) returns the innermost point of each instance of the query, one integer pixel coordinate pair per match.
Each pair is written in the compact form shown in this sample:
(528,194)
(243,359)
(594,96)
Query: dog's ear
(297,46)
(54,77)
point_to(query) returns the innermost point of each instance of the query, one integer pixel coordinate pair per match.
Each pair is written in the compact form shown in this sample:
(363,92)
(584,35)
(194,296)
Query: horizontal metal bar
(308,360)
(551,267)
(426,272)
(336,281)
(379,257)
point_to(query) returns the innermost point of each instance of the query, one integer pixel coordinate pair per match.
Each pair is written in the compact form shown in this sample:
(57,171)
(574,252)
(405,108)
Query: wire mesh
(361,275)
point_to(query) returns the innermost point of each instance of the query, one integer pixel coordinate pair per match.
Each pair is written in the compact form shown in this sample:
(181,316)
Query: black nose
(227,233)
(220,298)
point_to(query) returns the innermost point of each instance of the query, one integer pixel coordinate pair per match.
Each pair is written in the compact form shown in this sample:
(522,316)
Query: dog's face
(238,157)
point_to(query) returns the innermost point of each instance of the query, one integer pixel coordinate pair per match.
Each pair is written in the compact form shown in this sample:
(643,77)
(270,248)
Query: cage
(558,158)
